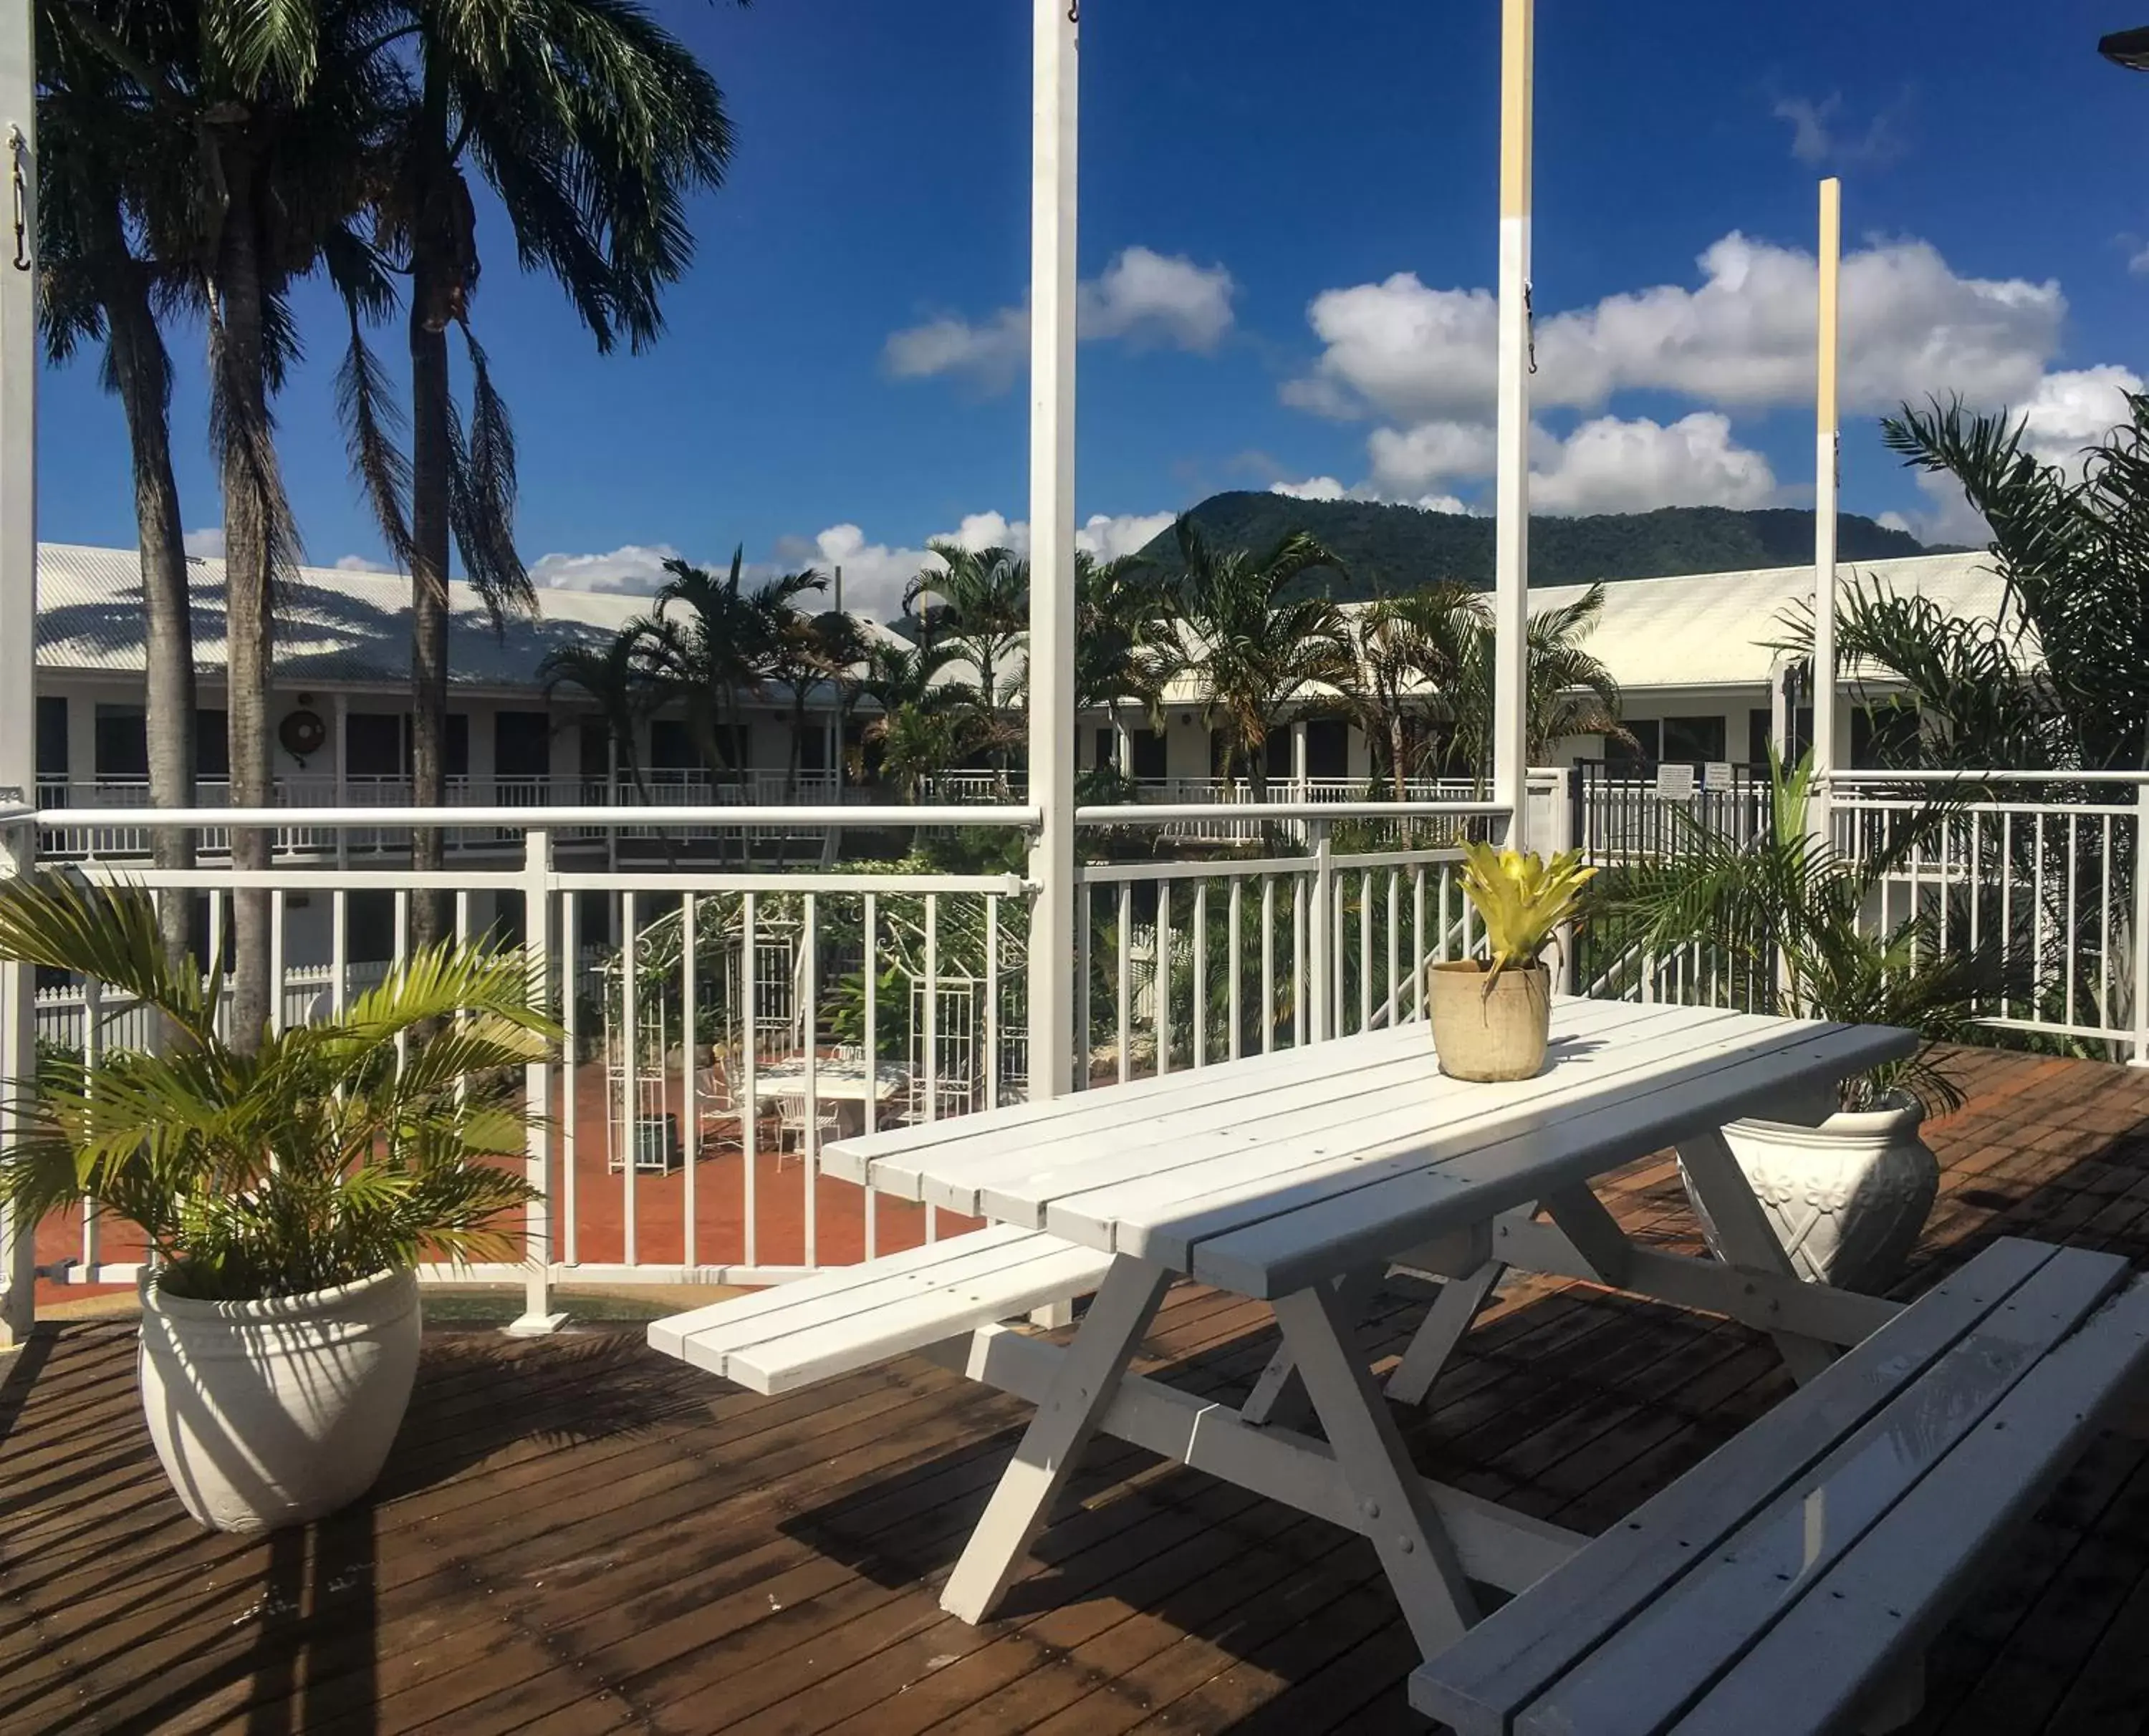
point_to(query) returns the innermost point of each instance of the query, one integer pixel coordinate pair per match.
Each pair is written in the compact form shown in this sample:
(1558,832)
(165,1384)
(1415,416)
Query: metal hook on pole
(1074,12)
(19,195)
(1530,324)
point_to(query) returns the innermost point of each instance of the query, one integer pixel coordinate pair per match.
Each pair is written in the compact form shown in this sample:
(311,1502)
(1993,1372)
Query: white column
(19,588)
(339,707)
(1511,602)
(1052,546)
(1825,490)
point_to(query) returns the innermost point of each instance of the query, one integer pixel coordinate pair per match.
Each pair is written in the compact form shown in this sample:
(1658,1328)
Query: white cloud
(632,567)
(1744,336)
(1447,503)
(1611,465)
(208,543)
(361,563)
(1895,522)
(1818,135)
(1143,297)
(2074,409)
(1109,536)
(1408,461)
(1153,298)
(2137,261)
(1314,488)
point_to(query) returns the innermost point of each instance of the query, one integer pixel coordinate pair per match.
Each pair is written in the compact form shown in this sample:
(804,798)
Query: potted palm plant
(1492,1016)
(287,1194)
(1790,924)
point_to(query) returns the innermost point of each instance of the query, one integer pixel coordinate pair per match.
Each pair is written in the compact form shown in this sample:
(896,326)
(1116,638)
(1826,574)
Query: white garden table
(1299,1178)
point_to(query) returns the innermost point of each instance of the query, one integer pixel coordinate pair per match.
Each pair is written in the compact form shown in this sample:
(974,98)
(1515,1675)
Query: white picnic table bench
(1302,1178)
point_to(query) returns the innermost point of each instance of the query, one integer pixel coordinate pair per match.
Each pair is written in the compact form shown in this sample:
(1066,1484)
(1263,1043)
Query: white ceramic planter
(1847,1198)
(267,1414)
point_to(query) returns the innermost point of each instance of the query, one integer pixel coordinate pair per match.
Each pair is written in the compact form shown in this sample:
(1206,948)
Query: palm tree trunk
(430,459)
(141,371)
(246,461)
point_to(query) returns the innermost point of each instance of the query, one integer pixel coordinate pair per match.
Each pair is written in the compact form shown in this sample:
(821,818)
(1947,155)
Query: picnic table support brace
(1440,1332)
(1744,1234)
(1279,1396)
(1415,1549)
(1082,1390)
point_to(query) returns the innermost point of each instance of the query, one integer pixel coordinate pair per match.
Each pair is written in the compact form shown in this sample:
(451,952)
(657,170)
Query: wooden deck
(576,1534)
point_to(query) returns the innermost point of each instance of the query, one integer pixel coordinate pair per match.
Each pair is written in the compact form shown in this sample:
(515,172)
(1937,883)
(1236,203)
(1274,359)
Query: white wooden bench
(1791,1583)
(851,1317)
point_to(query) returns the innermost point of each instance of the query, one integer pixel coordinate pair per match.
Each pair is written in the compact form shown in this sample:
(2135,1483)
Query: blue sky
(1285,212)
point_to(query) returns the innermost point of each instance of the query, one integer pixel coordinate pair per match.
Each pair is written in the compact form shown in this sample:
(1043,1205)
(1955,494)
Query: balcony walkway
(576,1534)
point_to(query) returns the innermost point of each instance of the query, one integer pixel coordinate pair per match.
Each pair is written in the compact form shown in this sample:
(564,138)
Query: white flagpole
(18,582)
(1052,231)
(1511,604)
(1825,460)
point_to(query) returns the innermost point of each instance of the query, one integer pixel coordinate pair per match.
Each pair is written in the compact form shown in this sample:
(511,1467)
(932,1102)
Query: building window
(671,748)
(1647,735)
(814,747)
(52,736)
(212,744)
(1760,728)
(373,744)
(1145,749)
(122,744)
(521,744)
(596,749)
(1696,739)
(1101,748)
(1279,751)
(1883,737)
(1328,748)
(369,926)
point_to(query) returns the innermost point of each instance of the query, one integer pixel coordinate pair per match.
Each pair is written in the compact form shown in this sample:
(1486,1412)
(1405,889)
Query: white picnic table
(836,1079)
(1302,1177)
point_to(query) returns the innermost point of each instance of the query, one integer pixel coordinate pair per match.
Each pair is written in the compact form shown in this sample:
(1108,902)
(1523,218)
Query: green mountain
(1386,549)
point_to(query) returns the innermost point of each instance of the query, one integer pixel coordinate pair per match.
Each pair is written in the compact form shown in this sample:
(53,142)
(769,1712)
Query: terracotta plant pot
(1485,1027)
(269,1414)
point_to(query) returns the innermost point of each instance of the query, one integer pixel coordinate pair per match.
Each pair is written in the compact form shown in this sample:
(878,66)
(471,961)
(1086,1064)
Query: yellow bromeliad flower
(1522,900)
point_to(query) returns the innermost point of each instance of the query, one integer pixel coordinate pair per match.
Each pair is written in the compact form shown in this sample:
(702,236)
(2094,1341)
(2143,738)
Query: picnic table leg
(1440,1332)
(1415,1549)
(1744,1235)
(1082,1390)
(1279,1396)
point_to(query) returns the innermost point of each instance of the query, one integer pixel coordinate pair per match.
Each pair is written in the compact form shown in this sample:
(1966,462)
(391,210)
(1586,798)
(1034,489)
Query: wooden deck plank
(520,1570)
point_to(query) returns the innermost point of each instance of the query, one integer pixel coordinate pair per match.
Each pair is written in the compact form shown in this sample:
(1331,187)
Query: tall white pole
(1511,597)
(1052,1042)
(1825,460)
(19,580)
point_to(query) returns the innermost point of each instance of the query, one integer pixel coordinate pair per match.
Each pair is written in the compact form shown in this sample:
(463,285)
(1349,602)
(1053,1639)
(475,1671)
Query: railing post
(2141,936)
(1320,1011)
(537,1315)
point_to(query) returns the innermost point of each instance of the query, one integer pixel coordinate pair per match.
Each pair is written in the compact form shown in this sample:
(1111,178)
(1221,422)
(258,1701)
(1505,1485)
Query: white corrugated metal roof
(335,627)
(1713,629)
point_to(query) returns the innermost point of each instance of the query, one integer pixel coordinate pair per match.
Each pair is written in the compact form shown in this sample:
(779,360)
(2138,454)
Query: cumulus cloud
(1611,465)
(632,566)
(1143,298)
(1743,336)
(2076,407)
(1107,537)
(361,563)
(1819,134)
(1408,461)
(1314,488)
(208,543)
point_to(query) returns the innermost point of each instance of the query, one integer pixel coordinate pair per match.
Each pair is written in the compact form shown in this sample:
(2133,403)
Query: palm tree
(813,651)
(280,109)
(2072,554)
(592,124)
(104,160)
(1413,651)
(905,683)
(613,677)
(1567,691)
(978,600)
(1124,648)
(1259,648)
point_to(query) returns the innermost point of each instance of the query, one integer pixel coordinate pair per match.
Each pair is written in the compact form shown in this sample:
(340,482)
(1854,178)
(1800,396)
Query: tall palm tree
(977,600)
(1567,692)
(906,683)
(1259,648)
(2073,556)
(105,159)
(1413,651)
(280,107)
(813,651)
(1125,650)
(614,678)
(592,124)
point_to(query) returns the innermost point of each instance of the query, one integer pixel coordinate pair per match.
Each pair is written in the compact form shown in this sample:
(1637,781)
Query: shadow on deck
(576,1534)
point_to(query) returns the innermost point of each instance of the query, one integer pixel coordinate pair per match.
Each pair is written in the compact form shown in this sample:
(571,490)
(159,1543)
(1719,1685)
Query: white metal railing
(2034,872)
(722,1023)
